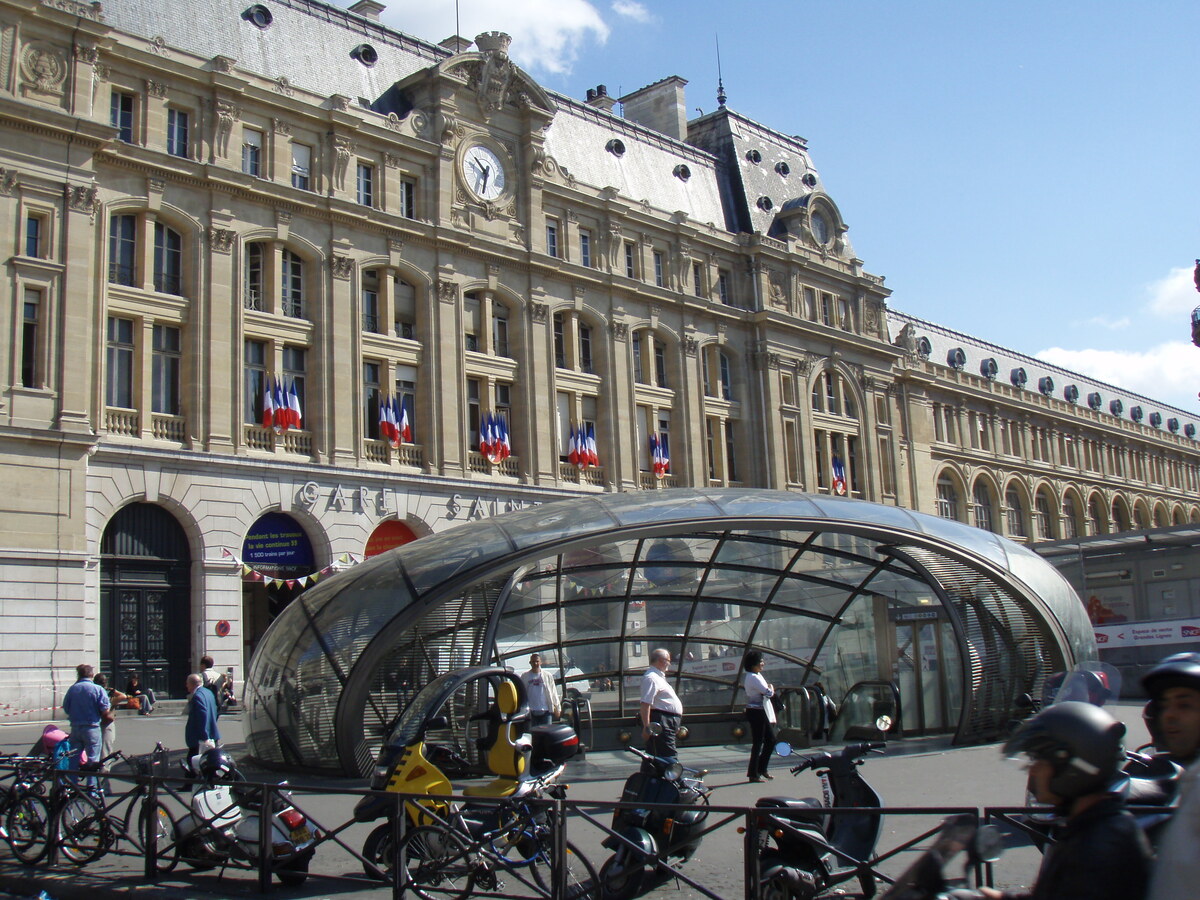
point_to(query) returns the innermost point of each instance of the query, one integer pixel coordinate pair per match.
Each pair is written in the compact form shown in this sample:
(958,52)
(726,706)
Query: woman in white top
(760,714)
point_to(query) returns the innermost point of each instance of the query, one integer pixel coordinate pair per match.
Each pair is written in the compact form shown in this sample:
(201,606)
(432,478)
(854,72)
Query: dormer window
(258,16)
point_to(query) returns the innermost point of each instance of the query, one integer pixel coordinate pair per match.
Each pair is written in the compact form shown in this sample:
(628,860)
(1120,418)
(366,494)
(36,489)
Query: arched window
(649,359)
(947,498)
(1016,513)
(1095,516)
(717,373)
(1043,516)
(1070,525)
(983,507)
(573,343)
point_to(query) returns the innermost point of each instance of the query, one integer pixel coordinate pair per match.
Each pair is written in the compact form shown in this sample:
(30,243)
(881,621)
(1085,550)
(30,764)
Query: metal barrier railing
(136,836)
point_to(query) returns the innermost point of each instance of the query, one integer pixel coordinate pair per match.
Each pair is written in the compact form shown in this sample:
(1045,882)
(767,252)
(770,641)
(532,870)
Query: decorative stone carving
(283,217)
(71,7)
(341,266)
(87,53)
(447,291)
(613,242)
(906,340)
(221,239)
(395,245)
(391,161)
(81,198)
(278,126)
(777,287)
(339,102)
(419,121)
(342,148)
(43,69)
(227,114)
(579,291)
(690,346)
(8,181)
(494,76)
(283,86)
(156,185)
(158,44)
(804,363)
(872,318)
(392,122)
(493,270)
(156,89)
(619,331)
(539,312)
(223,64)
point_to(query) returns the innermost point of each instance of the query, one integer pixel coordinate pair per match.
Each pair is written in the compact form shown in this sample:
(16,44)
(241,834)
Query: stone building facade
(203,203)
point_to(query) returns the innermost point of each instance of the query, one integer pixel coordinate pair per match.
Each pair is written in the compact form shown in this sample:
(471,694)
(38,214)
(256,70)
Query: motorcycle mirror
(674,772)
(436,723)
(783,748)
(884,724)
(988,844)
(655,728)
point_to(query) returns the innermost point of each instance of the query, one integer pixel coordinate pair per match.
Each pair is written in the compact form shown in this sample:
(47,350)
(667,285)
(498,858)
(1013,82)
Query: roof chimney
(455,44)
(368,9)
(598,97)
(660,106)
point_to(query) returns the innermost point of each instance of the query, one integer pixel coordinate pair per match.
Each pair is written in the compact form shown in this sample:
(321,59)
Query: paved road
(911,774)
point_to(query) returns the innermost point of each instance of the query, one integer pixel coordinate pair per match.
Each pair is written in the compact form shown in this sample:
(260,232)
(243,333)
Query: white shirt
(756,688)
(541,691)
(658,693)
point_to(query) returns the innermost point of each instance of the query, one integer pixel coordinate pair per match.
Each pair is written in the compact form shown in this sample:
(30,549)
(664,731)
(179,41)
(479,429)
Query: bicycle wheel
(438,864)
(82,830)
(168,851)
(28,826)
(582,881)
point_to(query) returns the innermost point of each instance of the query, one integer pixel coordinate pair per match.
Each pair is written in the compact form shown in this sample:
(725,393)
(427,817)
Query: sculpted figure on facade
(43,69)
(227,114)
(496,72)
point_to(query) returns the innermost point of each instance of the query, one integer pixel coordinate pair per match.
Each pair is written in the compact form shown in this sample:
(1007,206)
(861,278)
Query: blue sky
(1028,173)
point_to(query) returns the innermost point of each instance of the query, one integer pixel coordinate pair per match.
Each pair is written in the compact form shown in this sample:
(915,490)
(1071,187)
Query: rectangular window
(660,364)
(500,331)
(658,268)
(370,307)
(301,166)
(810,303)
(30,370)
(789,389)
(408,198)
(560,342)
(119,359)
(122,250)
(405,300)
(292,272)
(551,237)
(503,404)
(121,115)
(730,455)
(294,359)
(723,287)
(471,323)
(177,133)
(790,454)
(252,148)
(826,308)
(638,374)
(473,394)
(406,390)
(35,226)
(366,184)
(371,399)
(165,365)
(585,349)
(630,268)
(843,313)
(585,248)
(254,375)
(255,299)
(697,279)
(887,474)
(168,260)
(710,448)
(726,378)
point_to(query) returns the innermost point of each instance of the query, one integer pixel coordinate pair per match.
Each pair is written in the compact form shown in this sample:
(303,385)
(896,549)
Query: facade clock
(483,172)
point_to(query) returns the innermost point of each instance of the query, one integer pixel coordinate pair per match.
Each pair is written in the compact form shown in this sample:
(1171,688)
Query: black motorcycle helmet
(1081,741)
(217,765)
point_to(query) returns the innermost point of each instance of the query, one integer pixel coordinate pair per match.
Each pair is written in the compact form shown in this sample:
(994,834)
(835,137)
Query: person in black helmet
(1075,753)
(1173,713)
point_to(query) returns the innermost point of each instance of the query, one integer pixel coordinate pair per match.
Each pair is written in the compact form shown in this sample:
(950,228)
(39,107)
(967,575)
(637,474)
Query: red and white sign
(1142,634)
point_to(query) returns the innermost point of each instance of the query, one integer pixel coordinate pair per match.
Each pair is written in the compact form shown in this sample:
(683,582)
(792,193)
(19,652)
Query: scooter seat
(500,787)
(791,803)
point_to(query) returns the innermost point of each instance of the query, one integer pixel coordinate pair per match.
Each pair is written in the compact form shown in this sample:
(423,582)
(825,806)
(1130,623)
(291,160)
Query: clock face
(820,227)
(483,172)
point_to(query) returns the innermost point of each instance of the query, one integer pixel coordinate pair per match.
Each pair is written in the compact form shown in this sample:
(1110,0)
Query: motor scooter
(926,879)
(805,850)
(223,822)
(648,838)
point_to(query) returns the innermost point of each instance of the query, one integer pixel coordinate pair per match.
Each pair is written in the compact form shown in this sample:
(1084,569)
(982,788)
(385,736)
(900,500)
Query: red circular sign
(387,535)
(223,628)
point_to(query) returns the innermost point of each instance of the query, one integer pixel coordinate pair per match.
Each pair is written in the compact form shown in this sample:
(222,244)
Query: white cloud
(1110,323)
(1169,373)
(629,9)
(547,34)
(1173,296)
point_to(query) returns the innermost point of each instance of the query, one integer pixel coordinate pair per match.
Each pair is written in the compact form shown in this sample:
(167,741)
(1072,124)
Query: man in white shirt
(660,704)
(541,692)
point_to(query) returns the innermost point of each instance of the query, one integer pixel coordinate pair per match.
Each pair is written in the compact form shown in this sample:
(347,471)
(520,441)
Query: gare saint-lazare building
(291,292)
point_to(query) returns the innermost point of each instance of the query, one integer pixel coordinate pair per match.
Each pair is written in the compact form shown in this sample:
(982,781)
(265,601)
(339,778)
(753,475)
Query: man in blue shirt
(201,716)
(85,703)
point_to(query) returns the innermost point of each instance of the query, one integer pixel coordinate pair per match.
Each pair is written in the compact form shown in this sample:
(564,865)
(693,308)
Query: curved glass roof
(593,583)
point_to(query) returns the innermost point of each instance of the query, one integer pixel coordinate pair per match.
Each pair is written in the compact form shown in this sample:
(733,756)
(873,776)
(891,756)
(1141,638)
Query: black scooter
(805,850)
(649,838)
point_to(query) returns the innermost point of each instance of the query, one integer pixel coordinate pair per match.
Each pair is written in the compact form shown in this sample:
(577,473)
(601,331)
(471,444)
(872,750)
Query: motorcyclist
(1075,752)
(1173,713)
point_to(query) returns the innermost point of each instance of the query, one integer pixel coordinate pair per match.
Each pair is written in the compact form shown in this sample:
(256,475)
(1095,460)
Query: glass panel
(452,555)
(582,517)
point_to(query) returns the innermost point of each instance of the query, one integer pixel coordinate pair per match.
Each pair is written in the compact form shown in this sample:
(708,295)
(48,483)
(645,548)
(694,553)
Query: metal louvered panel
(1008,651)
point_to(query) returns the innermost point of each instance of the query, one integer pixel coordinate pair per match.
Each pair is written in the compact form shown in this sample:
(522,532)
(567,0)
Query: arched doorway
(388,534)
(280,557)
(145,599)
